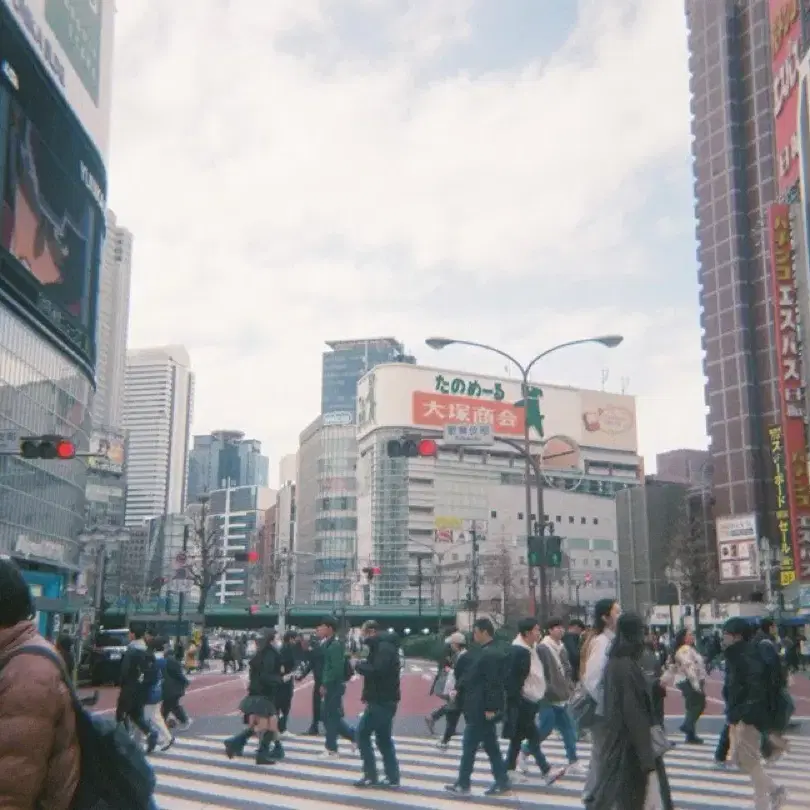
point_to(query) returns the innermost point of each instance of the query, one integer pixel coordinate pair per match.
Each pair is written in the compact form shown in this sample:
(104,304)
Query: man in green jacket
(336,671)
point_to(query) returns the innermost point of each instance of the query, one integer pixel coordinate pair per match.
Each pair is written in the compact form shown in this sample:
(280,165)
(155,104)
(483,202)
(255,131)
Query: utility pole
(474,572)
(419,582)
(181,599)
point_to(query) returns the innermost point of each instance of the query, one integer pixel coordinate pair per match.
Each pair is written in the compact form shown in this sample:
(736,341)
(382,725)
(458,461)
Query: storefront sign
(787,573)
(471,388)
(438,410)
(786,32)
(791,383)
(42,549)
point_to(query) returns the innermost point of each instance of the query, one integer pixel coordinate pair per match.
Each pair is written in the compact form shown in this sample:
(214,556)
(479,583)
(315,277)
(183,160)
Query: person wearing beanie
(39,748)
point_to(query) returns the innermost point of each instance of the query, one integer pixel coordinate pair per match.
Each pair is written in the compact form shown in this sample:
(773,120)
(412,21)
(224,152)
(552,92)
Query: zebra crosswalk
(195,775)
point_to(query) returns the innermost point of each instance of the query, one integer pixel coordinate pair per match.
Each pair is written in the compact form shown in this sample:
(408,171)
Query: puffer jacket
(39,750)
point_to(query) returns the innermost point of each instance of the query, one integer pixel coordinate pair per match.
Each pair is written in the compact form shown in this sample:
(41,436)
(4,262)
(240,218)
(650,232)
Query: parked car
(103,656)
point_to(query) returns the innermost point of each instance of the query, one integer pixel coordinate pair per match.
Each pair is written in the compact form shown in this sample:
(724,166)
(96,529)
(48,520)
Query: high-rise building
(735,181)
(54,119)
(113,321)
(158,405)
(348,361)
(225,457)
(326,492)
(236,516)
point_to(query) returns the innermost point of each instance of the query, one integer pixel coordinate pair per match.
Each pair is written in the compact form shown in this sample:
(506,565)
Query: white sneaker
(576,769)
(553,775)
(187,725)
(518,778)
(442,745)
(524,763)
(330,755)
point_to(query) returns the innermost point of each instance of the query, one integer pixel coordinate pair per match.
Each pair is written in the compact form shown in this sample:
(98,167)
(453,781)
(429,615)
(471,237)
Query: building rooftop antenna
(625,384)
(605,375)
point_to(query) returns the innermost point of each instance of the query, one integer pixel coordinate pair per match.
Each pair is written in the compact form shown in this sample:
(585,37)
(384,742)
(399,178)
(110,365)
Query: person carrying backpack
(154,678)
(133,694)
(39,748)
(780,705)
(53,754)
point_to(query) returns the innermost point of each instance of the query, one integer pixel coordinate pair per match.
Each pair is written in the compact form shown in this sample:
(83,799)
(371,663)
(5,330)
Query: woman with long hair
(606,613)
(629,765)
(690,677)
(265,677)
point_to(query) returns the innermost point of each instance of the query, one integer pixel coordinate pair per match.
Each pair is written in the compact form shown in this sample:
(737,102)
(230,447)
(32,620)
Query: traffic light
(253,610)
(47,447)
(412,448)
(535,551)
(371,572)
(554,552)
(246,556)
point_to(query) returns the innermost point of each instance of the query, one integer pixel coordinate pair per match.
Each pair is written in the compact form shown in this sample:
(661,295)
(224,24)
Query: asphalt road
(212,700)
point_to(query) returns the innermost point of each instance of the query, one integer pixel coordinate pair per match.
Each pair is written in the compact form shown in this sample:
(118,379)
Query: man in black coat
(747,709)
(483,702)
(381,694)
(174,688)
(571,641)
(290,654)
(313,662)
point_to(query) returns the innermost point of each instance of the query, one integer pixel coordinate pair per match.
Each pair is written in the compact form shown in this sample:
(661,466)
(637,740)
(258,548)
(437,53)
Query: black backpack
(114,770)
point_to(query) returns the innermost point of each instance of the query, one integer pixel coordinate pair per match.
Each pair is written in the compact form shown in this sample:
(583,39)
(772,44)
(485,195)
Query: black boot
(264,756)
(278,751)
(235,746)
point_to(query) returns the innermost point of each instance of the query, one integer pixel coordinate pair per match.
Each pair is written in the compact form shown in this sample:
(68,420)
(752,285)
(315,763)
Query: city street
(194,774)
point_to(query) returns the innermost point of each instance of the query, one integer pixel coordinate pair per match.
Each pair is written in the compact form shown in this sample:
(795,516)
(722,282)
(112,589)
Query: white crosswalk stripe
(196,775)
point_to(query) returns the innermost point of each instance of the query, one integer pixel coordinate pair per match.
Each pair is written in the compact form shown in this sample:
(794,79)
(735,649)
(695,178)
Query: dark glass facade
(346,364)
(733,154)
(52,227)
(41,502)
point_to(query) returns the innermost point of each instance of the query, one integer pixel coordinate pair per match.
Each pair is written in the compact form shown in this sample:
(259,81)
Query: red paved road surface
(214,694)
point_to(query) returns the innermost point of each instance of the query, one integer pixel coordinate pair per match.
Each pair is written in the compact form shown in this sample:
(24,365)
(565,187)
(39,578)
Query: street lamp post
(610,341)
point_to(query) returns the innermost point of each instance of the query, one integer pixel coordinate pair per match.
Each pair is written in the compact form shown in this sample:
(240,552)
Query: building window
(596,521)
(609,563)
(583,520)
(520,515)
(493,513)
(597,562)
(570,518)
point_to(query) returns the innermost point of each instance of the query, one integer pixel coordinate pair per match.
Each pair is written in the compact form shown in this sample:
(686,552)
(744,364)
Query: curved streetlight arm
(553,349)
(494,350)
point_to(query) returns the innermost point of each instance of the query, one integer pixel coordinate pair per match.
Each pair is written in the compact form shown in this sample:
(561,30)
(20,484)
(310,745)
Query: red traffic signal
(372,571)
(246,556)
(48,447)
(412,448)
(253,610)
(253,556)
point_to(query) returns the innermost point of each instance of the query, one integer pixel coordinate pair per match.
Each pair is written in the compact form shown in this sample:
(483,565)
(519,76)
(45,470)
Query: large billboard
(409,396)
(786,34)
(738,548)
(73,40)
(784,539)
(53,185)
(107,452)
(791,383)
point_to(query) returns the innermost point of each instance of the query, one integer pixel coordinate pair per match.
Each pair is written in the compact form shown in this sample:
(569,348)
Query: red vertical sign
(791,386)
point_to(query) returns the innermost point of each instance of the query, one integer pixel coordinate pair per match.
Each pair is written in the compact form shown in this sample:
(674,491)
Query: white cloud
(284,190)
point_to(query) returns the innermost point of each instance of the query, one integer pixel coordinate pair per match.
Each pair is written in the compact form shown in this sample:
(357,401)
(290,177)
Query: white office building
(113,320)
(415,515)
(158,404)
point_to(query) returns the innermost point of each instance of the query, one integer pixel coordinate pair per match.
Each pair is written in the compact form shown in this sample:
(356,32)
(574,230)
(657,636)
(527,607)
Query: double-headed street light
(610,341)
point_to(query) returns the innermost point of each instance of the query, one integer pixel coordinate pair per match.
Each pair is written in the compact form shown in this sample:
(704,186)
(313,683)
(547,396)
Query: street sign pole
(181,599)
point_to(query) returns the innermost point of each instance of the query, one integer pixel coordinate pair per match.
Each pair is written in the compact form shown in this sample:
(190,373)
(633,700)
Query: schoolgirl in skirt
(265,677)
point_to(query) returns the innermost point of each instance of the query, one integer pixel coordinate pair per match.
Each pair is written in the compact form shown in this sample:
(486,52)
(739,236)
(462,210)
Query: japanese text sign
(786,312)
(785,21)
(787,573)
(471,388)
(438,410)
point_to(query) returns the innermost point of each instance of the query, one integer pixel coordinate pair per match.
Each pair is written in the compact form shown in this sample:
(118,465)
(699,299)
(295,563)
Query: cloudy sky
(508,171)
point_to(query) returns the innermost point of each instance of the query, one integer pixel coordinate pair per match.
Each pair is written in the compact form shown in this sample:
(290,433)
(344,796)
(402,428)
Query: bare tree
(207,560)
(507,603)
(693,565)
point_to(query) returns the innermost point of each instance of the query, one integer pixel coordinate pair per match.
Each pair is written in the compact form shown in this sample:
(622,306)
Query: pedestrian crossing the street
(195,775)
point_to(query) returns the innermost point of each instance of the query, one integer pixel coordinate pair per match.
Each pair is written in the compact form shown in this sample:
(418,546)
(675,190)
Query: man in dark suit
(483,702)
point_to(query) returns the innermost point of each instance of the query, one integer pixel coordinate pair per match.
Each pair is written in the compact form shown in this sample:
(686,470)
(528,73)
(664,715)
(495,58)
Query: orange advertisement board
(437,410)
(791,385)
